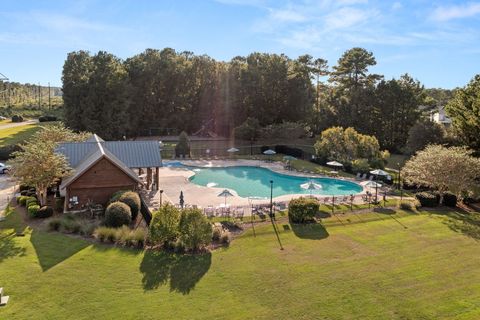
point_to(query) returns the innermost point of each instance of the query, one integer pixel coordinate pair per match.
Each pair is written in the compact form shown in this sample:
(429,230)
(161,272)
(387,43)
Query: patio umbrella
(311,185)
(372,184)
(334,164)
(378,172)
(269,152)
(289,158)
(225,193)
(232,150)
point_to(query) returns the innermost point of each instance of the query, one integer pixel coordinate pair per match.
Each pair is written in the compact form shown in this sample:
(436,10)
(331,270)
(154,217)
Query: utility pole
(49,98)
(39,96)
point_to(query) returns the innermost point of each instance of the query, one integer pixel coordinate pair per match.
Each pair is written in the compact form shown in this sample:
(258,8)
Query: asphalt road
(7,191)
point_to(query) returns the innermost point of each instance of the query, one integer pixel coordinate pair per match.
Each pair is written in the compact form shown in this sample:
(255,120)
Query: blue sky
(436,42)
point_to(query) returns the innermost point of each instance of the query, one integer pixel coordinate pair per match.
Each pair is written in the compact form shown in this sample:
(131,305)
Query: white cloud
(287,16)
(347,17)
(446,13)
(397,5)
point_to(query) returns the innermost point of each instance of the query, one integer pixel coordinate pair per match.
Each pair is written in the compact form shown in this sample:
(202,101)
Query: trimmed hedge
(44,212)
(33,209)
(450,200)
(131,199)
(302,210)
(6,151)
(427,199)
(22,200)
(30,200)
(17,118)
(47,118)
(117,215)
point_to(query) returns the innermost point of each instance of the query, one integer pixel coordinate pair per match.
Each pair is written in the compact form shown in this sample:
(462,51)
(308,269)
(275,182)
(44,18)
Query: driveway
(7,191)
(7,125)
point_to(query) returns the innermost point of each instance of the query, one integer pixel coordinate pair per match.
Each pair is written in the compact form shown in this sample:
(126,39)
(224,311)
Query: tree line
(171,91)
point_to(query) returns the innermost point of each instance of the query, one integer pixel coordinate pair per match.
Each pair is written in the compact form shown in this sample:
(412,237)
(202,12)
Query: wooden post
(149,178)
(157,178)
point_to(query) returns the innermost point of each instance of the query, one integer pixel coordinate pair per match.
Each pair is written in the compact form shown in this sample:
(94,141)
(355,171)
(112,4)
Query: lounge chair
(370,178)
(364,176)
(359,176)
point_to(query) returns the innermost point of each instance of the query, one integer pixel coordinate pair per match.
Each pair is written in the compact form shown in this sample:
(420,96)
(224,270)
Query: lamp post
(161,191)
(271,215)
(251,146)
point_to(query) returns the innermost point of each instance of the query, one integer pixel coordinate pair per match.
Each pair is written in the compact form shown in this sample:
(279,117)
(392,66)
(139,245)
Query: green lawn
(396,266)
(15,135)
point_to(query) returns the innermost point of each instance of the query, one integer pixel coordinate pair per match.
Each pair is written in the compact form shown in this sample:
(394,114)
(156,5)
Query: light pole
(271,215)
(161,191)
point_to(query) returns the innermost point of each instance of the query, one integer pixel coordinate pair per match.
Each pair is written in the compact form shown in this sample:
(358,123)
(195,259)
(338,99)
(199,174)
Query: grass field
(398,266)
(19,134)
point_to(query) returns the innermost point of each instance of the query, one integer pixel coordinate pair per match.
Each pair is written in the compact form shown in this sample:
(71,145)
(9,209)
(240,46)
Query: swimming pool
(255,182)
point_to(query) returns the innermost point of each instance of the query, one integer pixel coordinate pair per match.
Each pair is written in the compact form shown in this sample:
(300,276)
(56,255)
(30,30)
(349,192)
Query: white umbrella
(231,150)
(269,152)
(334,164)
(372,184)
(379,172)
(311,185)
(225,193)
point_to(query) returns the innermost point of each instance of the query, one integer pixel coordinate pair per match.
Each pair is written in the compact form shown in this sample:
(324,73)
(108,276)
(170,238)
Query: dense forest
(164,92)
(14,94)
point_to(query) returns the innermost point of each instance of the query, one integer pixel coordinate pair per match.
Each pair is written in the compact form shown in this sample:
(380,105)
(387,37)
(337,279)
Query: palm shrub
(195,229)
(117,214)
(131,199)
(164,225)
(302,210)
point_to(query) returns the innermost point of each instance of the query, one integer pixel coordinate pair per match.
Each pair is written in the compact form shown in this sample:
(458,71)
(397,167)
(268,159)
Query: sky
(436,42)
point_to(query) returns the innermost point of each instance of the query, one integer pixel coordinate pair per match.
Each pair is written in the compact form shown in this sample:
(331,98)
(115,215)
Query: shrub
(139,235)
(249,130)
(117,215)
(116,196)
(164,225)
(450,200)
(302,210)
(87,229)
(44,212)
(30,200)
(179,246)
(131,199)
(183,146)
(427,199)
(122,235)
(71,226)
(54,224)
(17,118)
(407,205)
(6,151)
(47,118)
(23,193)
(226,238)
(104,234)
(216,234)
(59,203)
(360,165)
(23,187)
(22,200)
(195,229)
(33,209)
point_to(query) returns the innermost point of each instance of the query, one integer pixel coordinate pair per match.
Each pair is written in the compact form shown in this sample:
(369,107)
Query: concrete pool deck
(173,180)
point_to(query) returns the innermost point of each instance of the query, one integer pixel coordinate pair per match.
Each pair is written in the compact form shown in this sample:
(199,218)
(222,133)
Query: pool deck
(174,180)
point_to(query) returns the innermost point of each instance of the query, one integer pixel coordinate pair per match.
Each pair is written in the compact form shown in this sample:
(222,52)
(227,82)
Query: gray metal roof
(134,154)
(96,155)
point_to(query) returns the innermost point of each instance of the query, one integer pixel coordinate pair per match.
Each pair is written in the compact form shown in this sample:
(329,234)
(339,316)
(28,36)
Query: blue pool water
(255,182)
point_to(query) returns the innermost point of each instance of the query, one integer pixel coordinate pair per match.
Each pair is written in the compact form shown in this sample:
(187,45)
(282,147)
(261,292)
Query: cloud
(347,17)
(397,5)
(287,16)
(446,13)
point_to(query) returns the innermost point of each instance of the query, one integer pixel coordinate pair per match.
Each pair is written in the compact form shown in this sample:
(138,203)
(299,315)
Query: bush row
(123,236)
(33,208)
(131,199)
(182,230)
(432,199)
(47,118)
(69,224)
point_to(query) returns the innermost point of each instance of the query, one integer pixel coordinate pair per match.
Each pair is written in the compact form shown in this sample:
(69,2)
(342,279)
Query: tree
(183,146)
(164,225)
(249,130)
(195,229)
(352,69)
(464,110)
(38,165)
(346,145)
(423,133)
(444,169)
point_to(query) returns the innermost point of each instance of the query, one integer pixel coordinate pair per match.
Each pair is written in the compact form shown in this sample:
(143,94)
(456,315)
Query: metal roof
(99,152)
(134,154)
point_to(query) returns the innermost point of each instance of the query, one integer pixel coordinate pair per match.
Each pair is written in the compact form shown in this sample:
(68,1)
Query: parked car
(3,118)
(4,168)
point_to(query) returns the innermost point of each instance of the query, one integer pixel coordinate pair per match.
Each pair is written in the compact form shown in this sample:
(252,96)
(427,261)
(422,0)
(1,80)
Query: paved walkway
(7,191)
(8,125)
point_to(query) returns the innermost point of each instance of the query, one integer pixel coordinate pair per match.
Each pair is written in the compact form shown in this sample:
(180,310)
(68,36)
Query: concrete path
(8,125)
(7,191)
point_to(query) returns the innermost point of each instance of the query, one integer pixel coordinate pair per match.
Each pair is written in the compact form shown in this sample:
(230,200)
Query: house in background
(101,168)
(439,115)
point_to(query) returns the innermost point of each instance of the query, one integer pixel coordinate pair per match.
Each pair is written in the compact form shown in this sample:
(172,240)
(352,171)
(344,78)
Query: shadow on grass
(9,229)
(8,247)
(51,249)
(312,231)
(183,271)
(384,210)
(467,223)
